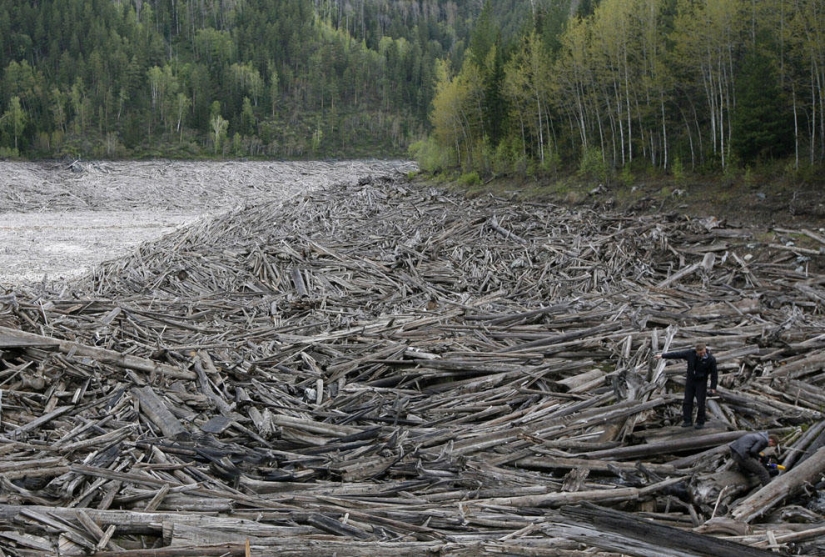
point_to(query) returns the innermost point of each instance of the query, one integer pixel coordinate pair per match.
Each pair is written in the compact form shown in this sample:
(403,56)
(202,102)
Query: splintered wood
(384,367)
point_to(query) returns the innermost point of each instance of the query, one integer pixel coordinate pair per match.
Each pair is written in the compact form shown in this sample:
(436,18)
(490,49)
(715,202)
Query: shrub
(593,165)
(430,156)
(469,179)
(678,170)
(627,175)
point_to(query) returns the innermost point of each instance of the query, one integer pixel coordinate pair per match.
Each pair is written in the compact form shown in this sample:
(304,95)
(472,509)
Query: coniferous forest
(240,78)
(524,86)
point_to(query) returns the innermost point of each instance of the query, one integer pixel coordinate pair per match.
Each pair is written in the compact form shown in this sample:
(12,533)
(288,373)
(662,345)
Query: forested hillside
(638,85)
(274,78)
(603,87)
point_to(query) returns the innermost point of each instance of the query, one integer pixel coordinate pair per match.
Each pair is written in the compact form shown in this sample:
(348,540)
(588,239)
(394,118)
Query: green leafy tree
(182,104)
(14,119)
(248,120)
(219,125)
(528,89)
(448,118)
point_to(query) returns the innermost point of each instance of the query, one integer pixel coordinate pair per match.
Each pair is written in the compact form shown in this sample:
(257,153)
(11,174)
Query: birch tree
(805,36)
(708,37)
(574,81)
(458,111)
(14,119)
(219,125)
(614,71)
(527,87)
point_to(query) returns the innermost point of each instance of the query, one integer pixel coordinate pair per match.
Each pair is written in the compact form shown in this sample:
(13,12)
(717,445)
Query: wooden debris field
(385,367)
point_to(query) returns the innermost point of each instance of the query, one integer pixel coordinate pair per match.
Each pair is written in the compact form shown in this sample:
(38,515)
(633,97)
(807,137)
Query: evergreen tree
(762,121)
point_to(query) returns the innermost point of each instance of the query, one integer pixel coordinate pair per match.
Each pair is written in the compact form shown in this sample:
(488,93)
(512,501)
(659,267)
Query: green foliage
(592,165)
(678,171)
(149,73)
(15,119)
(430,155)
(509,157)
(469,179)
(763,121)
(9,153)
(502,86)
(626,175)
(649,80)
(749,178)
(317,136)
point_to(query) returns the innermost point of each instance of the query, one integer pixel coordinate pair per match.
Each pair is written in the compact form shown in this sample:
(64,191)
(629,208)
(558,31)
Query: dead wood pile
(386,367)
(182,186)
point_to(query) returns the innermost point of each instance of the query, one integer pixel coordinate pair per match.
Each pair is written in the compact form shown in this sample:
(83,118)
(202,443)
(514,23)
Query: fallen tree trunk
(788,483)
(646,534)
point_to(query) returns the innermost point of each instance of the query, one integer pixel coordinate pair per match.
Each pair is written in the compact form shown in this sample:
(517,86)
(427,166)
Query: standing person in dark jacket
(745,452)
(700,365)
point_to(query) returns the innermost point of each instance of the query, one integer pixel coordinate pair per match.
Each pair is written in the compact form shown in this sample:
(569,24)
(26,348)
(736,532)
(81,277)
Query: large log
(781,487)
(648,535)
(103,355)
(673,445)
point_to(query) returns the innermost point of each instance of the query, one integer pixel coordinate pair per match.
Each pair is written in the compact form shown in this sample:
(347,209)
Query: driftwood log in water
(381,366)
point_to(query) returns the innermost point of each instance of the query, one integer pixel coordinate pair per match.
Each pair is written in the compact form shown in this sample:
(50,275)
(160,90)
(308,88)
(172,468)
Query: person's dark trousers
(697,388)
(753,466)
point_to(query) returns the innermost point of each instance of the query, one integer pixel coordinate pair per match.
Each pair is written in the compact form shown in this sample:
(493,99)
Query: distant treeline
(184,78)
(527,86)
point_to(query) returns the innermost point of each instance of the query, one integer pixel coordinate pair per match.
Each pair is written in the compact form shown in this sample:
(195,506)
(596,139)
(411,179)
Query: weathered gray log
(800,450)
(332,526)
(556,339)
(287,547)
(647,535)
(706,263)
(37,422)
(224,549)
(570,498)
(551,462)
(671,446)
(154,408)
(106,356)
(810,363)
(152,523)
(493,223)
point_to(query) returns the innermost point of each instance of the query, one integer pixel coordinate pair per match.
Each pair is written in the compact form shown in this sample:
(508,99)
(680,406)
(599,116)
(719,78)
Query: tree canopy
(293,78)
(646,84)
(504,86)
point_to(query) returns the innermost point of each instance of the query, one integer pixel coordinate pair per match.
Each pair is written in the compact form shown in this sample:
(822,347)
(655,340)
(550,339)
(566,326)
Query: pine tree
(762,122)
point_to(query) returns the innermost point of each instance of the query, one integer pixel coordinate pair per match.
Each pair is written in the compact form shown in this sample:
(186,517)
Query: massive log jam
(383,366)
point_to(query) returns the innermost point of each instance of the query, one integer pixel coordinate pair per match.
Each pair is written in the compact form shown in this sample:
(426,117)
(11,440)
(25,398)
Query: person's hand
(658,356)
(712,391)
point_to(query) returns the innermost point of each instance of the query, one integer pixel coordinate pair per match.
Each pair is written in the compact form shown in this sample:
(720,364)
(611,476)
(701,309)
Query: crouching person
(745,452)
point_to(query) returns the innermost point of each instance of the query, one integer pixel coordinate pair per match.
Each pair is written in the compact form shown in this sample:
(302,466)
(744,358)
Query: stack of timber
(380,366)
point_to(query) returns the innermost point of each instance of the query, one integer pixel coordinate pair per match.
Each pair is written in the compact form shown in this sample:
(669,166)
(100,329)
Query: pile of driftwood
(191,187)
(385,367)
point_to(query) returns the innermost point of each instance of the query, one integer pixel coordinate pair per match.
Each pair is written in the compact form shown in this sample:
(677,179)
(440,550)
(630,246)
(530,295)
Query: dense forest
(637,85)
(240,78)
(526,86)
